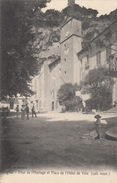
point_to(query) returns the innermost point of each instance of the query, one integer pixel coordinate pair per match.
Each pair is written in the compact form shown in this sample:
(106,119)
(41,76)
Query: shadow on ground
(37,143)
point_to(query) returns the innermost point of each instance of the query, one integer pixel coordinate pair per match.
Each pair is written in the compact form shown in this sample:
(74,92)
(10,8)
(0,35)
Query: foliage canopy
(20,23)
(18,54)
(100,86)
(66,97)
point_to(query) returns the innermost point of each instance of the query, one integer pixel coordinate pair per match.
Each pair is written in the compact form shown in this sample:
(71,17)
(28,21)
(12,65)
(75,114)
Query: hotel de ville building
(72,63)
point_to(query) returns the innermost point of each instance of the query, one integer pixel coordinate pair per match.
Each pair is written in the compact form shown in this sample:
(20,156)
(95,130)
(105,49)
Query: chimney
(71,2)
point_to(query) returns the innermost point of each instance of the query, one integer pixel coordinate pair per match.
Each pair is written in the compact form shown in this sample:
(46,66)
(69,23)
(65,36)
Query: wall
(55,83)
(93,49)
(70,45)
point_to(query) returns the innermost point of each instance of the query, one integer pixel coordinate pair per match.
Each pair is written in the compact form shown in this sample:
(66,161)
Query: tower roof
(69,18)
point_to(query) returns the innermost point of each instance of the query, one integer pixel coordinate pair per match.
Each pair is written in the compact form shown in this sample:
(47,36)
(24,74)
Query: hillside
(49,31)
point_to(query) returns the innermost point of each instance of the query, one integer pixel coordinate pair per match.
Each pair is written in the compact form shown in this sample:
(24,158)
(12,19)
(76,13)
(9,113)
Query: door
(52,106)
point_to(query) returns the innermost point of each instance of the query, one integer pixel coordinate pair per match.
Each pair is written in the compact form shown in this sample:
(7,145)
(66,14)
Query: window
(98,58)
(108,53)
(65,72)
(65,59)
(87,58)
(87,62)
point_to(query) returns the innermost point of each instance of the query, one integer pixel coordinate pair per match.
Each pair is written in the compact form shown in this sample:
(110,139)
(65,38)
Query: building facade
(101,51)
(70,46)
(67,62)
(61,66)
(47,83)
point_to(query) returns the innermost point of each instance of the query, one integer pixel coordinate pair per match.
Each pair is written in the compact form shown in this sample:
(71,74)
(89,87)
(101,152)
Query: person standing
(33,111)
(98,126)
(17,111)
(22,112)
(27,111)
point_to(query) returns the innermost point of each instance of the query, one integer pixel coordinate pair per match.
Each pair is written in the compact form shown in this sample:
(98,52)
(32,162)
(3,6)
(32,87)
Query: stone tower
(71,2)
(70,46)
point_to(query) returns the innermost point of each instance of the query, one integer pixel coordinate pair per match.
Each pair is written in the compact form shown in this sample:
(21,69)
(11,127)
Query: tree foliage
(79,12)
(20,23)
(99,85)
(66,97)
(54,17)
(18,54)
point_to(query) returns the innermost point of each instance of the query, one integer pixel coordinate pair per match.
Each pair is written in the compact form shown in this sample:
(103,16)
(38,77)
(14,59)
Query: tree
(99,85)
(18,54)
(79,12)
(92,13)
(54,17)
(66,97)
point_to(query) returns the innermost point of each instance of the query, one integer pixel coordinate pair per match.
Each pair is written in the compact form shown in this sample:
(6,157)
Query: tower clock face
(67,34)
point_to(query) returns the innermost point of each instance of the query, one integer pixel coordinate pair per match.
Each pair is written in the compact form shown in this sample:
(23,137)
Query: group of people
(25,110)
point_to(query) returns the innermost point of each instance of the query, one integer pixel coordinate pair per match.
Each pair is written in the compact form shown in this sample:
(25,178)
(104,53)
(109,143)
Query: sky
(102,6)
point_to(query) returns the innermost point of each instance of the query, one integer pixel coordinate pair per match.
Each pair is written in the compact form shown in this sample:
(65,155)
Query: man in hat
(33,111)
(22,112)
(17,111)
(27,111)
(97,125)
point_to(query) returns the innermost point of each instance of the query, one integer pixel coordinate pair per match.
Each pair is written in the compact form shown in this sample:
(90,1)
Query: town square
(58,89)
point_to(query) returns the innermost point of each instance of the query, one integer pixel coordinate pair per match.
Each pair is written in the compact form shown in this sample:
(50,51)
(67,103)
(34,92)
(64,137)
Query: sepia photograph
(58,91)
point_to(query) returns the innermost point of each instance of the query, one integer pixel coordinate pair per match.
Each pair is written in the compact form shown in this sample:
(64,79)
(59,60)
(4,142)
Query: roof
(69,18)
(52,50)
(53,61)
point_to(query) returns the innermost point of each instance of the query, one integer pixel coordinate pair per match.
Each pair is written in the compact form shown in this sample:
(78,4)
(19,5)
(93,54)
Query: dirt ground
(42,143)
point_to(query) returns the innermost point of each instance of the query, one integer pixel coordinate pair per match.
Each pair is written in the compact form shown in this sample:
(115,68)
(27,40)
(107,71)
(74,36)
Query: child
(97,125)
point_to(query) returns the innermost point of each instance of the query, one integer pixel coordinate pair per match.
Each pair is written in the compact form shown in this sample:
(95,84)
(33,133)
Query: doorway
(52,106)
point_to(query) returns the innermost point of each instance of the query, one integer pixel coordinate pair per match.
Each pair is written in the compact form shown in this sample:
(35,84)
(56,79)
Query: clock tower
(70,46)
